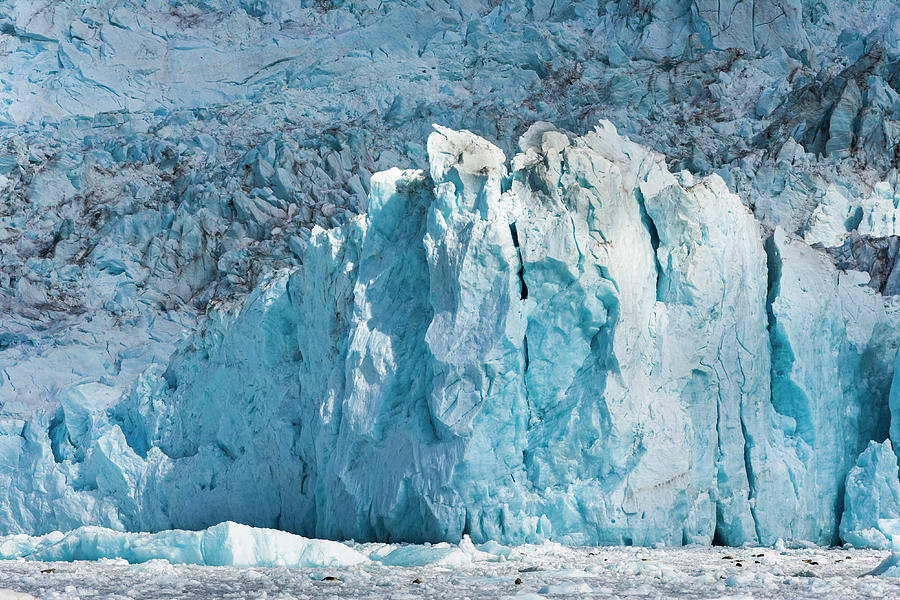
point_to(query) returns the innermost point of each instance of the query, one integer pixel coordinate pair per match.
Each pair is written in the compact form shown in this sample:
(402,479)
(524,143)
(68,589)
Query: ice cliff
(668,316)
(586,348)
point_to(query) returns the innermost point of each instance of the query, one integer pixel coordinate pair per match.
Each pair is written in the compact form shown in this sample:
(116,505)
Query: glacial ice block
(224,545)
(606,430)
(830,356)
(872,493)
(890,566)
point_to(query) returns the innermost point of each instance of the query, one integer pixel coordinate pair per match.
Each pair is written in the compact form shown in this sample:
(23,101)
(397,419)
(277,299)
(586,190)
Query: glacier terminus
(500,273)
(577,345)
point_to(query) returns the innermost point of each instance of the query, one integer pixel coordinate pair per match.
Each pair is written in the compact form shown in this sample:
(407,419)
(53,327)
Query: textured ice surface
(212,309)
(8,594)
(234,545)
(890,566)
(160,158)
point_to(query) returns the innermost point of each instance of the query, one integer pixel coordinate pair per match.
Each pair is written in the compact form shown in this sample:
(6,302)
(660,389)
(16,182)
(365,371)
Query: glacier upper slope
(160,157)
(587,349)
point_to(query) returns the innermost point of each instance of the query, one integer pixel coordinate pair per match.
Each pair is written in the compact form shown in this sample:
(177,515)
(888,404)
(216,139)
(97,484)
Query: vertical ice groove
(523,294)
(654,241)
(748,466)
(521,272)
(773,267)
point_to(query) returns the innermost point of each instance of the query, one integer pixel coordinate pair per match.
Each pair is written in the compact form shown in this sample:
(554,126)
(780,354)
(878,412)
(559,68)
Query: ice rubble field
(637,285)
(546,571)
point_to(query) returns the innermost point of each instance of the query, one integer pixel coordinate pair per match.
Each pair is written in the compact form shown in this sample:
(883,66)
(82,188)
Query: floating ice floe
(231,544)
(226,544)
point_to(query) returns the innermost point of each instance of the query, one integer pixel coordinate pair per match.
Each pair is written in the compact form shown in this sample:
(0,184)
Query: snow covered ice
(526,273)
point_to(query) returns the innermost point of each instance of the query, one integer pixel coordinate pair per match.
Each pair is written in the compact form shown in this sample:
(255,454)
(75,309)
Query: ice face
(580,346)
(140,183)
(823,330)
(590,343)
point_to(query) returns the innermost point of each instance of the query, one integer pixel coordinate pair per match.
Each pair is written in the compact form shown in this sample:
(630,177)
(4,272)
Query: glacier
(636,286)
(585,348)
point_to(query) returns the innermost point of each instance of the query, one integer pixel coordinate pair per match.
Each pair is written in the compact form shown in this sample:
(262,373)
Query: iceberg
(224,545)
(232,544)
(890,566)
